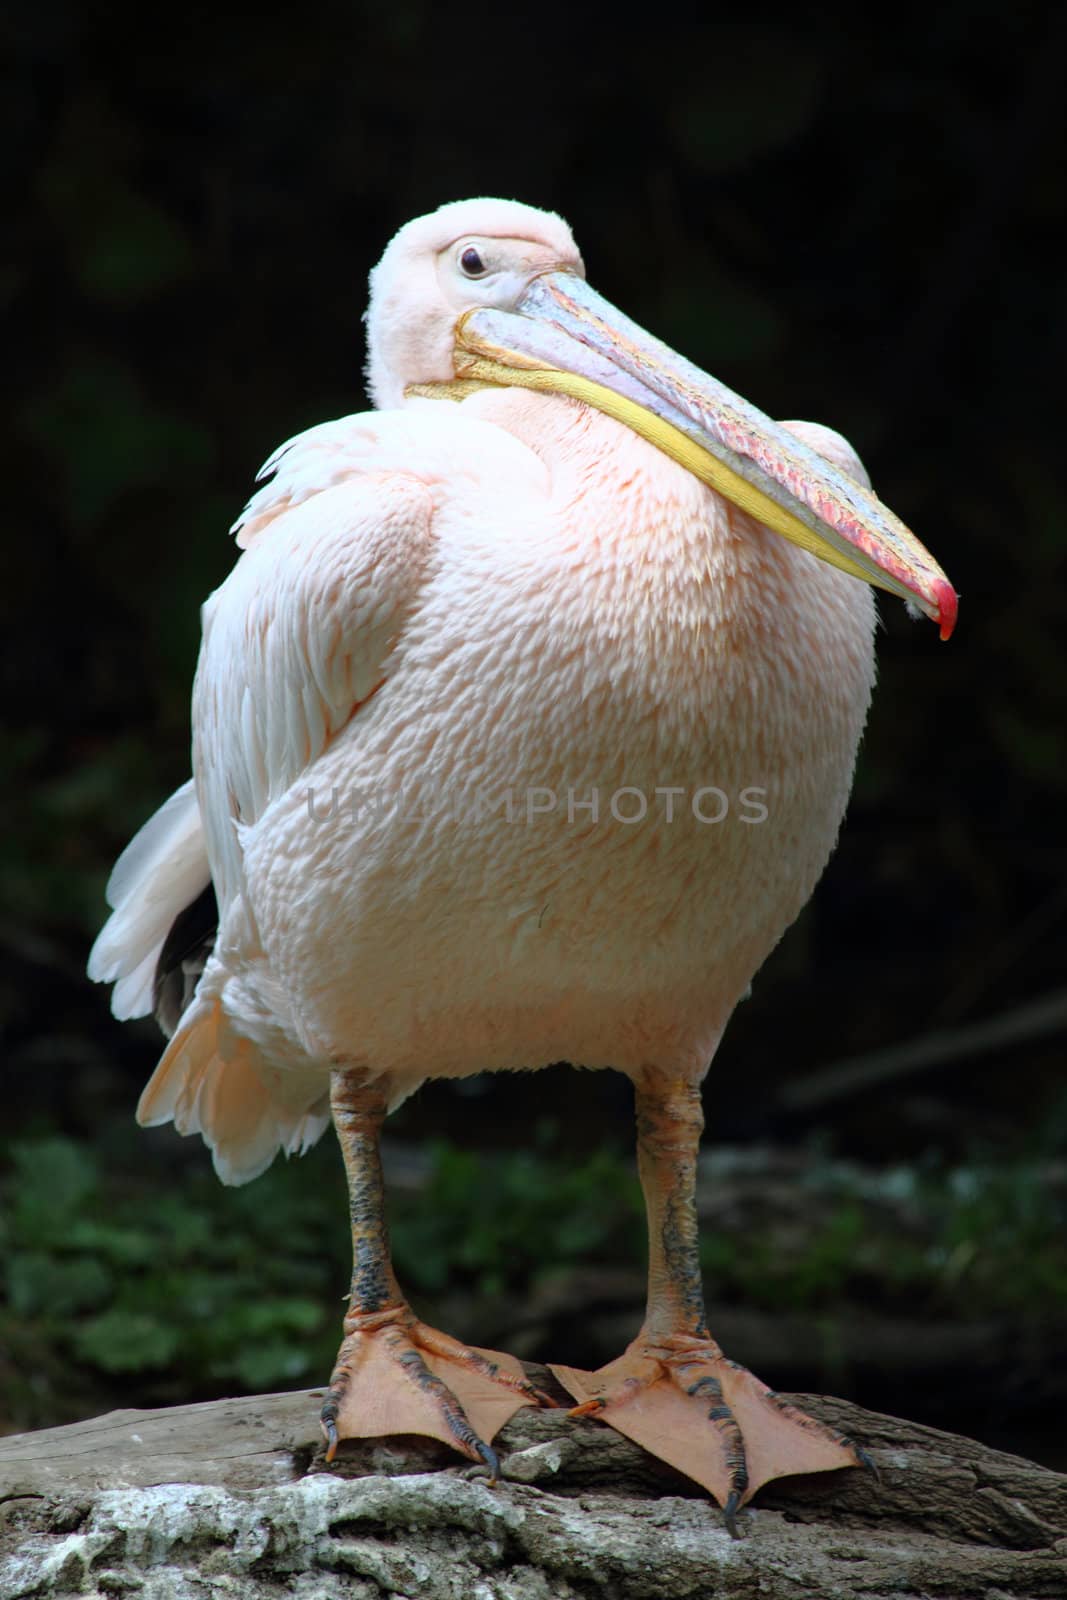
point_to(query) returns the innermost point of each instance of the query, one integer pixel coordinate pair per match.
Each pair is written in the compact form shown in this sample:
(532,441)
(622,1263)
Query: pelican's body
(514,742)
(562,638)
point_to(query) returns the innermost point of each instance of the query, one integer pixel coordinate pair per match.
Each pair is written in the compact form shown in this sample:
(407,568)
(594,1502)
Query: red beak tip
(948,602)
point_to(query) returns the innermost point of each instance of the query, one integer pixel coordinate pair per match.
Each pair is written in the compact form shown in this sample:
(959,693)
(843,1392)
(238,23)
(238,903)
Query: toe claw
(867,1461)
(328,1424)
(490,1458)
(729,1514)
(588,1408)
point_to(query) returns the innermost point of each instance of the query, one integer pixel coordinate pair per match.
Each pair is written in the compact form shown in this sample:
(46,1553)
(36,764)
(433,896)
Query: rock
(232,1499)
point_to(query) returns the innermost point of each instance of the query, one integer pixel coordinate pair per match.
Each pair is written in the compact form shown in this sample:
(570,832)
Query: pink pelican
(468,711)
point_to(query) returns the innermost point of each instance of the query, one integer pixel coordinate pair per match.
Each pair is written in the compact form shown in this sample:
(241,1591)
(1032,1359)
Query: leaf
(127,1341)
(53,1179)
(125,1246)
(45,1284)
(262,1366)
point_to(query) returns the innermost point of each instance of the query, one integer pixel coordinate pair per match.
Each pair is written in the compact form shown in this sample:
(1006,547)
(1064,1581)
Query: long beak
(564,338)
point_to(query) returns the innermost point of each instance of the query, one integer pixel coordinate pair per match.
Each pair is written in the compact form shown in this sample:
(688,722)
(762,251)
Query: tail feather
(225,1098)
(172,1092)
(209,1081)
(238,1119)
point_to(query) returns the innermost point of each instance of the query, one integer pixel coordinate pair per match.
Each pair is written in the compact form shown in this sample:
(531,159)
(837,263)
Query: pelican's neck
(615,483)
(568,435)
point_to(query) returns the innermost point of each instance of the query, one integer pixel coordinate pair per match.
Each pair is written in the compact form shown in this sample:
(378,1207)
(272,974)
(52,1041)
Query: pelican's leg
(394,1374)
(673,1391)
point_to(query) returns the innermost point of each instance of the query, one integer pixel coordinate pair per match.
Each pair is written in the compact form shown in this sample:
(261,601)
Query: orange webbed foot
(680,1398)
(395,1374)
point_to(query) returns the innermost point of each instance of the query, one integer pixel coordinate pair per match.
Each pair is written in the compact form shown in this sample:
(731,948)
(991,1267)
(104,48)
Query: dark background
(848,219)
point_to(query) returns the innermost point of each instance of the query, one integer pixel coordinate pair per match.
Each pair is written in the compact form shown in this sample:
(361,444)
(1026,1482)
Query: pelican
(523,727)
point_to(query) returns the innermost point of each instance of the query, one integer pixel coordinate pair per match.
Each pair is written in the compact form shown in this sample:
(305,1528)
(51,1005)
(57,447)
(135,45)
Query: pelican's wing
(162,870)
(295,641)
(295,636)
(299,635)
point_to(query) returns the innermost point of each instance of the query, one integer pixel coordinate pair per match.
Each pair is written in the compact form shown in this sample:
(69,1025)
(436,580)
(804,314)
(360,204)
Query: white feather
(133,995)
(159,873)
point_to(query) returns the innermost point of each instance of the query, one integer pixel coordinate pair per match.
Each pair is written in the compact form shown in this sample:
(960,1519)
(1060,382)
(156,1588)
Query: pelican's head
(469,255)
(490,292)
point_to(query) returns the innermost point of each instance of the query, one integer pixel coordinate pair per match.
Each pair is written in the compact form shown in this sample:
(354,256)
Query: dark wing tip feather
(183,958)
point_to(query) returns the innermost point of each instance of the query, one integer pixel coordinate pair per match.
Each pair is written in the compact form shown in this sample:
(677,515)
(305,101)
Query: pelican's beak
(563,337)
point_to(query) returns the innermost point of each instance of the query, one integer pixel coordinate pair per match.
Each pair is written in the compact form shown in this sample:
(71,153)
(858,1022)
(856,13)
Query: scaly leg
(673,1391)
(394,1374)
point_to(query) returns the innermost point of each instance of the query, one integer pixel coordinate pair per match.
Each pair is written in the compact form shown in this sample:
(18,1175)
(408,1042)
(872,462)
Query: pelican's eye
(471,262)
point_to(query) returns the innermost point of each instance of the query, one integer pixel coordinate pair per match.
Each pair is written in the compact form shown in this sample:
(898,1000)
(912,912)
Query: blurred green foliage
(989,1235)
(108,1272)
(492,1225)
(100,1275)
(112,1278)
